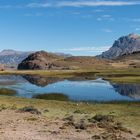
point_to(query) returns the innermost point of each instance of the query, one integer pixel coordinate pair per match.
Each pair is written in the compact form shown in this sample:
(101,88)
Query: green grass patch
(52,96)
(8,92)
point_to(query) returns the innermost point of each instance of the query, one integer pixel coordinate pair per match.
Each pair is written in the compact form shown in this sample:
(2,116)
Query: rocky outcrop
(40,61)
(124,45)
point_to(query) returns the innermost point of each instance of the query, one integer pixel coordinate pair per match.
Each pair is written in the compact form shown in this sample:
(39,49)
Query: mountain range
(125,49)
(11,58)
(125,45)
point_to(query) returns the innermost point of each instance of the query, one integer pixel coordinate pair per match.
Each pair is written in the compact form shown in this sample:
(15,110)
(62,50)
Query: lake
(74,89)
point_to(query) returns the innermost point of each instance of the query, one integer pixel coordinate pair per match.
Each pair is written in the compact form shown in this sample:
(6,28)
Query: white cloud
(76,3)
(76,13)
(107,30)
(6,6)
(98,10)
(130,19)
(136,20)
(38,5)
(84,3)
(105,17)
(33,14)
(79,3)
(137,29)
(95,3)
(99,19)
(87,49)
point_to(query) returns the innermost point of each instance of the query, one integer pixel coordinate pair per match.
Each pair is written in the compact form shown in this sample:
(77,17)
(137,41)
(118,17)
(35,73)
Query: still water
(70,89)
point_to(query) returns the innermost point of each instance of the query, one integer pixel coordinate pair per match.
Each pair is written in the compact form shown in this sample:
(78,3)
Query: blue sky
(79,27)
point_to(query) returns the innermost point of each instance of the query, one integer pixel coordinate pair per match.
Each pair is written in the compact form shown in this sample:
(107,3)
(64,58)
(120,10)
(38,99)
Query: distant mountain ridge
(12,58)
(10,52)
(125,45)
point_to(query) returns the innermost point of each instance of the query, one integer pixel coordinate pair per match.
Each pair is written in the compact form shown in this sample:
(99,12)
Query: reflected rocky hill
(44,81)
(41,81)
(130,90)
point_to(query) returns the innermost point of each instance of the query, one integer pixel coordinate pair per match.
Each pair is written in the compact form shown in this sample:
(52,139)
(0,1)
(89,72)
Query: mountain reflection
(130,90)
(44,81)
(41,81)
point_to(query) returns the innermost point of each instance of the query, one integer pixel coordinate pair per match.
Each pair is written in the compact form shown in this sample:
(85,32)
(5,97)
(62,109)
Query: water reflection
(74,88)
(44,81)
(40,80)
(130,90)
(6,80)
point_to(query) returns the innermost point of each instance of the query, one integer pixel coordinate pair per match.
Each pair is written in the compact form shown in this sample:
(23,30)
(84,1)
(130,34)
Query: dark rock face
(40,61)
(124,45)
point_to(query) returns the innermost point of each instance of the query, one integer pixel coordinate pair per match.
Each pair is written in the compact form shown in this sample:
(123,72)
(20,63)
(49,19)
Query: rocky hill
(124,45)
(40,60)
(43,60)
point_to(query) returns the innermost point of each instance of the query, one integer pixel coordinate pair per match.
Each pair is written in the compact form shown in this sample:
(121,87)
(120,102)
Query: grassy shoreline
(131,75)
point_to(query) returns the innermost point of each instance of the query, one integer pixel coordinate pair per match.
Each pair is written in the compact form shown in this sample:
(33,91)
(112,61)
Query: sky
(78,27)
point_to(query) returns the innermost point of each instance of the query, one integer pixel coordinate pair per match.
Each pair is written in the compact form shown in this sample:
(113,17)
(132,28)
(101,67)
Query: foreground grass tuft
(8,92)
(30,109)
(102,118)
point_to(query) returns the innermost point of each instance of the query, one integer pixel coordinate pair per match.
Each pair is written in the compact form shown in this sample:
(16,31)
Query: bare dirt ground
(16,125)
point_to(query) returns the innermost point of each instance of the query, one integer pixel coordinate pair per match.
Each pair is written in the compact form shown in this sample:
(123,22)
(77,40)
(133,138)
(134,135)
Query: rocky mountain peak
(133,35)
(124,45)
